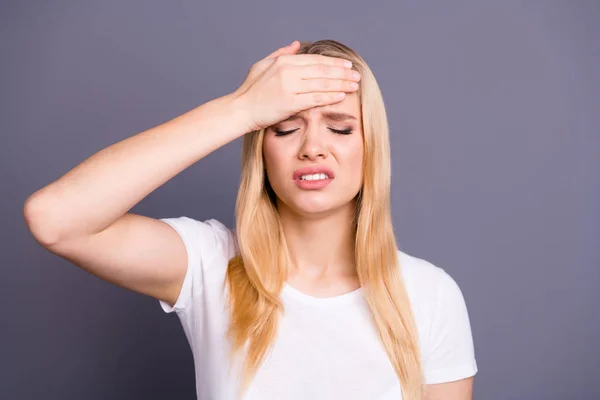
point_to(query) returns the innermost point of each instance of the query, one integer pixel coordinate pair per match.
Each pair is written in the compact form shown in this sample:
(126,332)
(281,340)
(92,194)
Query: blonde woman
(308,296)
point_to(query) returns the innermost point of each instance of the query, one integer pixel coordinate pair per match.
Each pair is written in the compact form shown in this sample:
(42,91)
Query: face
(328,138)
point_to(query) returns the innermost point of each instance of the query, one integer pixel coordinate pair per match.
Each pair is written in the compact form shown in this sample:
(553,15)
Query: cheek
(269,153)
(274,159)
(351,157)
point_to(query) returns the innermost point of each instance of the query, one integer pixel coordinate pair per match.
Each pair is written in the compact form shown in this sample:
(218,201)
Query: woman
(309,297)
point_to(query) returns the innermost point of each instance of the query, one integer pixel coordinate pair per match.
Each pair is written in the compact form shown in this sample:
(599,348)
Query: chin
(313,209)
(312,205)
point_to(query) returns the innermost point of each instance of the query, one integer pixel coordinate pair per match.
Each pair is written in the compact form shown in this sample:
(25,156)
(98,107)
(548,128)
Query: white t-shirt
(326,348)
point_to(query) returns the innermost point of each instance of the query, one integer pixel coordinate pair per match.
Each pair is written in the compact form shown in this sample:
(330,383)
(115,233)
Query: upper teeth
(313,177)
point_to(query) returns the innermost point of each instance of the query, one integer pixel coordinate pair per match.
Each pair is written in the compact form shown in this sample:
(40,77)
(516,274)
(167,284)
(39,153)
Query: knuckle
(285,86)
(281,59)
(285,77)
(338,72)
(256,66)
(284,73)
(324,69)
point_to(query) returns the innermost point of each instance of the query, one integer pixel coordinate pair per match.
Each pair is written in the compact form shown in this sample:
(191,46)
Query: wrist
(239,112)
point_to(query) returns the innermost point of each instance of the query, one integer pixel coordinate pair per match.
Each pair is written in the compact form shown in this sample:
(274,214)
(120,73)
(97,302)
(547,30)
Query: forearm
(105,186)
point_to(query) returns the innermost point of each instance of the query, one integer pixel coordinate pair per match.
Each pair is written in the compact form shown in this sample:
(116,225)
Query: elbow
(37,219)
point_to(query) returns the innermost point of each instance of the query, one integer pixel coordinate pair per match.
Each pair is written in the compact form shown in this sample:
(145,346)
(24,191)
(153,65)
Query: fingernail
(348,64)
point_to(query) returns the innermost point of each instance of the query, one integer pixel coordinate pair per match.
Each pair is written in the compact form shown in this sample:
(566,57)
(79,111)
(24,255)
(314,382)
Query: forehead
(345,110)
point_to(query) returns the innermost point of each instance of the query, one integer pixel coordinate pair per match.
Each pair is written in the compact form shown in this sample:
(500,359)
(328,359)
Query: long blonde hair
(256,275)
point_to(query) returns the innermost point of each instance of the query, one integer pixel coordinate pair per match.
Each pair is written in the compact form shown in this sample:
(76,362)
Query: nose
(313,145)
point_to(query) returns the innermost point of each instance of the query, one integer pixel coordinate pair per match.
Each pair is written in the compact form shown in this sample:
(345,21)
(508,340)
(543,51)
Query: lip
(315,169)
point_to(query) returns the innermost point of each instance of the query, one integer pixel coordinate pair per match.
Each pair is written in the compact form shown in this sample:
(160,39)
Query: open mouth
(314,177)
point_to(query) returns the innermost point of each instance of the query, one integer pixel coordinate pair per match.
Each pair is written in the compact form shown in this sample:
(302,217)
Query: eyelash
(346,131)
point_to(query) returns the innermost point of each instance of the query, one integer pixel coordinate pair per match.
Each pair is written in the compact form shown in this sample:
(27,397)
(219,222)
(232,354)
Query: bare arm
(457,390)
(84,215)
(93,195)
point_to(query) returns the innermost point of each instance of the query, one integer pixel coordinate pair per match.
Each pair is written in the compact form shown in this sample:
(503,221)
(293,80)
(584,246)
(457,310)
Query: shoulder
(431,289)
(210,237)
(422,277)
(209,245)
(442,320)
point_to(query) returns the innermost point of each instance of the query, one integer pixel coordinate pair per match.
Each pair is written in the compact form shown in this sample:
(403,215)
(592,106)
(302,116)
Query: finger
(315,71)
(326,85)
(308,59)
(289,49)
(304,101)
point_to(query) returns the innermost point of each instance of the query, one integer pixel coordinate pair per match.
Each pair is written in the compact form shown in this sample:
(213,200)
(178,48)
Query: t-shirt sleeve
(450,355)
(204,241)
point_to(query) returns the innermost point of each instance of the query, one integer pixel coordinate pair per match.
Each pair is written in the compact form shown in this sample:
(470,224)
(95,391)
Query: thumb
(289,49)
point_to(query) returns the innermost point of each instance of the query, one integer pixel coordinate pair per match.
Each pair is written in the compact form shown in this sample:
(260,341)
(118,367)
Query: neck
(320,247)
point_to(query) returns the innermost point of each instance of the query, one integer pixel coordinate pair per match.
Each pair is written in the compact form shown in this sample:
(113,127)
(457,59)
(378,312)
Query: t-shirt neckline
(345,298)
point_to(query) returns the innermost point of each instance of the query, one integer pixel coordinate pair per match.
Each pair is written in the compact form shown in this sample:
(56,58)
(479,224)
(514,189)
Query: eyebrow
(331,115)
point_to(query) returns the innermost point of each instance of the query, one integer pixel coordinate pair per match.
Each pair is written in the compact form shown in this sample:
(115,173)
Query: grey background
(494,116)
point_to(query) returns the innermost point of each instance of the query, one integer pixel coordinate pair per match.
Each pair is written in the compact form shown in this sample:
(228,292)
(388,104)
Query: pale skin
(84,216)
(317,223)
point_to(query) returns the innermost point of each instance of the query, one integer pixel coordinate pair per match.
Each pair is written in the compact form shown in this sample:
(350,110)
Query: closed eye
(346,131)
